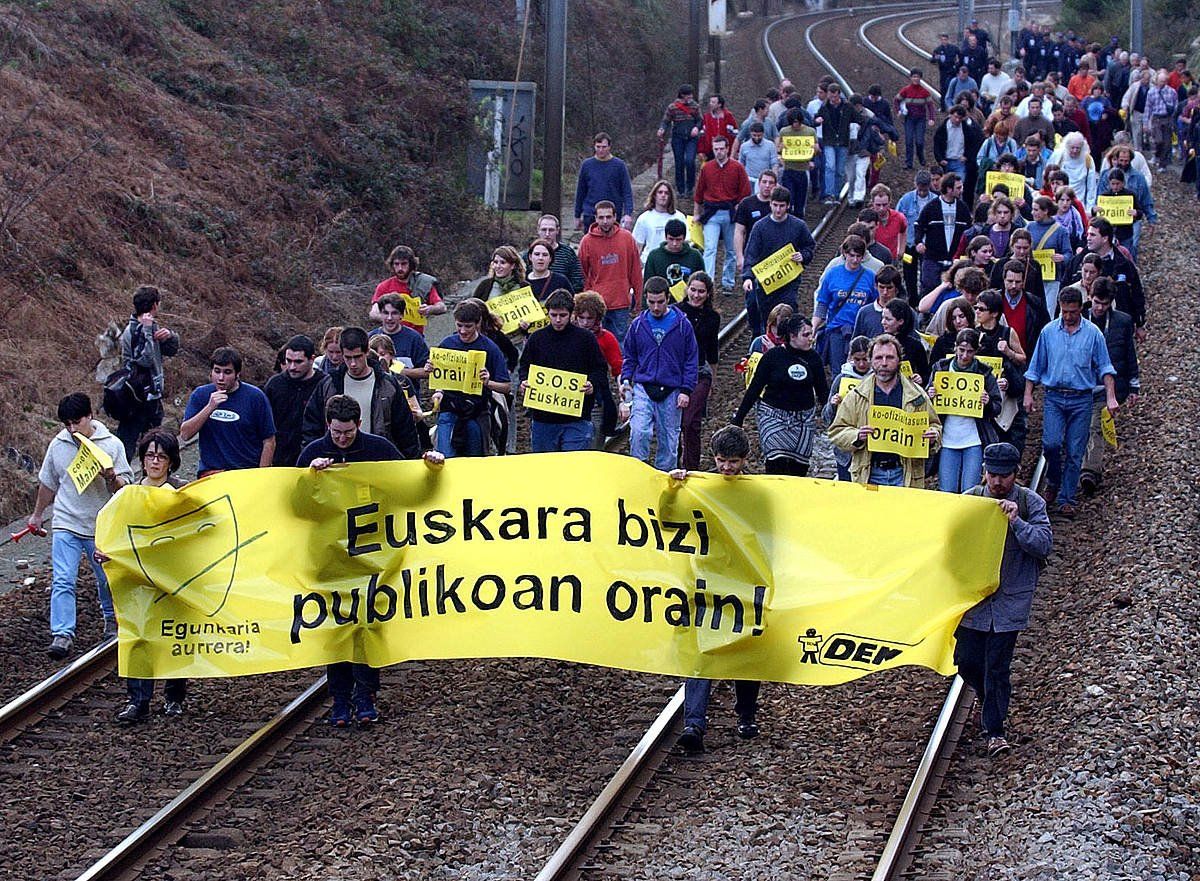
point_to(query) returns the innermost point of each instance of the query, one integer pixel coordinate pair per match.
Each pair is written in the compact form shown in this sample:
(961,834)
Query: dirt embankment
(238,154)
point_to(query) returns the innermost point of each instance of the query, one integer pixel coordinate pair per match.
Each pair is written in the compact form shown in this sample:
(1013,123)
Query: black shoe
(110,629)
(173,708)
(747,728)
(60,647)
(691,741)
(1089,485)
(133,712)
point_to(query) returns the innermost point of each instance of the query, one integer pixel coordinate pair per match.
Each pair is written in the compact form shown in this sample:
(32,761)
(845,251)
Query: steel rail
(55,688)
(157,829)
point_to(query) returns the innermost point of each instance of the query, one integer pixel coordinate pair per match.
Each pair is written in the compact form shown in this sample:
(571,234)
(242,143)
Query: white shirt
(995,86)
(813,107)
(362,390)
(949,216)
(649,230)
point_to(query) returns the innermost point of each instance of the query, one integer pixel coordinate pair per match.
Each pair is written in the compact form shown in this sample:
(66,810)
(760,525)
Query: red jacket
(612,266)
(722,183)
(720,124)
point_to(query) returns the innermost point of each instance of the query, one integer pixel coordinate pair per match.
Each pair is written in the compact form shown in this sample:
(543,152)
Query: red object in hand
(28,530)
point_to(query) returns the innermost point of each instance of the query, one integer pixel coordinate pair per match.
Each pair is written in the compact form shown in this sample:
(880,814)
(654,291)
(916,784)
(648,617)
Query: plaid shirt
(1161,101)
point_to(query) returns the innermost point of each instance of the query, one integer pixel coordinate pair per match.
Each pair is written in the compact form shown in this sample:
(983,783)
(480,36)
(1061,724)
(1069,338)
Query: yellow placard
(896,431)
(777,270)
(696,232)
(907,258)
(906,369)
(1014,184)
(88,463)
(958,394)
(930,339)
(751,366)
(597,559)
(679,290)
(412,313)
(457,371)
(1045,259)
(1117,210)
(516,306)
(555,391)
(798,148)
(845,385)
(994,363)
(1108,427)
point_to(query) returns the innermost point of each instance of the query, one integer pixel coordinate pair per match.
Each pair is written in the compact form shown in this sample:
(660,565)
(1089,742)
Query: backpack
(124,392)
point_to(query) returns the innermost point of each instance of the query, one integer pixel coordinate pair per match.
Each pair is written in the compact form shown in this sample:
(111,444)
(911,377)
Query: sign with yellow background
(555,391)
(457,371)
(896,431)
(88,463)
(412,310)
(958,394)
(1014,184)
(517,306)
(798,148)
(599,560)
(1117,210)
(1045,259)
(994,363)
(777,270)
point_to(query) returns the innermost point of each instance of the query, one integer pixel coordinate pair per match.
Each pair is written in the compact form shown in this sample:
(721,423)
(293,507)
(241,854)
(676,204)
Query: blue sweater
(768,236)
(603,180)
(674,362)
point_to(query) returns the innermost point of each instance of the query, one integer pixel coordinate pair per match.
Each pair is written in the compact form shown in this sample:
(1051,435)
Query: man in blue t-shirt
(843,291)
(233,419)
(464,420)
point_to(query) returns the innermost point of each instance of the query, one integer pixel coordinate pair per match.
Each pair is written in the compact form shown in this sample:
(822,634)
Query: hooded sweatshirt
(73,512)
(612,265)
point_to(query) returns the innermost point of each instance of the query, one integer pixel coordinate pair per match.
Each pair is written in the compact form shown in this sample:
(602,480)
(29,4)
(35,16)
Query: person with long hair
(649,231)
(786,387)
(698,306)
(506,273)
(330,358)
(959,316)
(541,278)
(960,463)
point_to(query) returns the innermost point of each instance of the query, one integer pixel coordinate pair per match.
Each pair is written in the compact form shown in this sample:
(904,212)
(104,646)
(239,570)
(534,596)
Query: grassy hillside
(238,153)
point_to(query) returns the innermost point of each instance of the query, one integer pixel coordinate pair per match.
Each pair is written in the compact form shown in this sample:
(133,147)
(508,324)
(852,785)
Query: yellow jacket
(852,414)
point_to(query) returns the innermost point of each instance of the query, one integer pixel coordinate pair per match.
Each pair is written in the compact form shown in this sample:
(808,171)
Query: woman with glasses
(964,437)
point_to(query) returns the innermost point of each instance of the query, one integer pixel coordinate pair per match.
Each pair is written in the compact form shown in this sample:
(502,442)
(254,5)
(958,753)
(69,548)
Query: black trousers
(984,660)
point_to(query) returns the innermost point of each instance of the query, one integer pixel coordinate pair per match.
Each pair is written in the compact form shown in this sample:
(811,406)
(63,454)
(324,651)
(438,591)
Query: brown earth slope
(237,153)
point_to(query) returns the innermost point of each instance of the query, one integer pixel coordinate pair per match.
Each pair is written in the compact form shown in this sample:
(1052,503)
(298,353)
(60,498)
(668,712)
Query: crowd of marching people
(1011,264)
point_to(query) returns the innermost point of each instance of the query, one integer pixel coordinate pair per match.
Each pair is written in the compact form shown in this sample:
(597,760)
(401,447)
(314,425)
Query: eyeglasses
(151,454)
(981,308)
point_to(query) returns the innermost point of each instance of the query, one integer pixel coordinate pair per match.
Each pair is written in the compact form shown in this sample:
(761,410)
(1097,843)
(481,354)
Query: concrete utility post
(1135,27)
(696,12)
(556,98)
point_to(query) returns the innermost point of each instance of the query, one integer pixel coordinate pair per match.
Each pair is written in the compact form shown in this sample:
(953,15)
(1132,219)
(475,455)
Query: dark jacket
(989,433)
(931,231)
(1026,546)
(1036,319)
(389,410)
(365,448)
(1033,278)
(1118,335)
(1130,297)
(973,138)
(835,123)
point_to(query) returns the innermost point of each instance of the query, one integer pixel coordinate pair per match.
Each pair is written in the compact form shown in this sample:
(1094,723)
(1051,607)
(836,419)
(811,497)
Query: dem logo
(849,650)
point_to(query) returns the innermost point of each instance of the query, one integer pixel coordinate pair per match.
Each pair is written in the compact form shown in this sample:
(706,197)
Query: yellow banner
(958,394)
(895,431)
(88,463)
(456,371)
(555,391)
(751,366)
(1118,210)
(906,369)
(679,290)
(516,306)
(412,313)
(1014,184)
(1045,259)
(600,560)
(847,384)
(777,270)
(798,148)
(696,232)
(994,363)
(1108,427)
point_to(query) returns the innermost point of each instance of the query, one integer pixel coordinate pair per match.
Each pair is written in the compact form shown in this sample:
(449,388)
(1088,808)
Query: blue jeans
(1136,240)
(835,170)
(696,693)
(797,184)
(984,660)
(958,166)
(66,549)
(684,149)
(914,139)
(838,346)
(959,470)
(445,436)
(345,677)
(617,322)
(553,437)
(886,476)
(1065,426)
(720,227)
(649,419)
(1051,288)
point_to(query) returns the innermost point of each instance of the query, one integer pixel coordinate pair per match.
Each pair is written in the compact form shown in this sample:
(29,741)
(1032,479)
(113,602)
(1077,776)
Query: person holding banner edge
(75,510)
(352,686)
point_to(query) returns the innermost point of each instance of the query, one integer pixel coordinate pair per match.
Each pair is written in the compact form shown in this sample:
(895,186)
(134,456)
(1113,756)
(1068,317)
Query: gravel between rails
(1103,782)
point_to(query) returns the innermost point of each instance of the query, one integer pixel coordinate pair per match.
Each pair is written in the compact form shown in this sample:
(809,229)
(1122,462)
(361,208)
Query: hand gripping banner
(585,557)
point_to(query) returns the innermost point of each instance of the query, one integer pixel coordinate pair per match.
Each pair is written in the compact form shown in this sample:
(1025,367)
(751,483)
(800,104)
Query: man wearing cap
(988,632)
